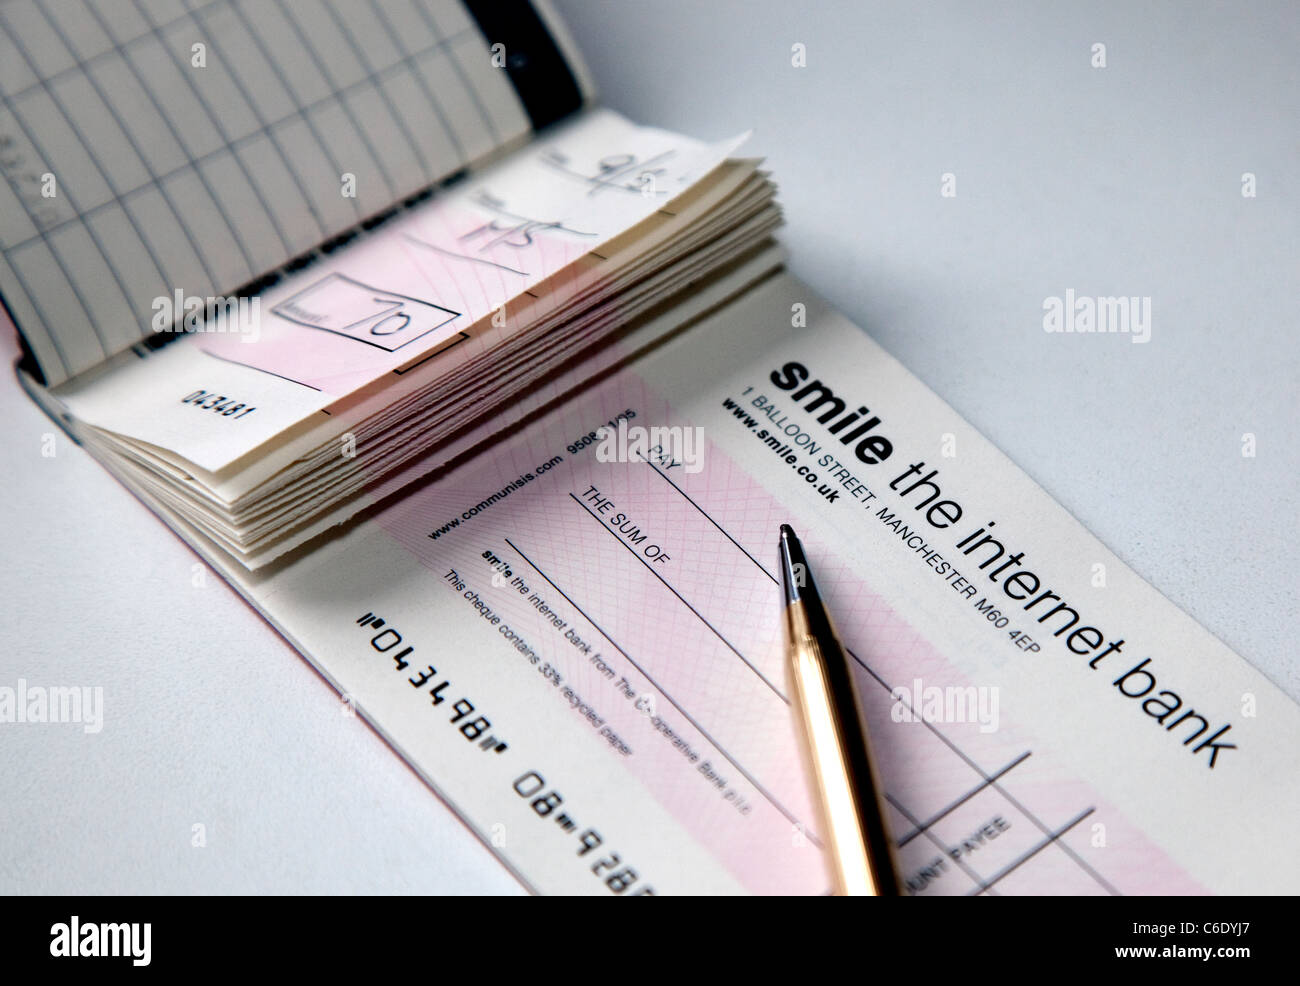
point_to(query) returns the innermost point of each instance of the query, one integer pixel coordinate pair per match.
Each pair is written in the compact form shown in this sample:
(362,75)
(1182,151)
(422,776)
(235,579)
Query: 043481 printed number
(223,405)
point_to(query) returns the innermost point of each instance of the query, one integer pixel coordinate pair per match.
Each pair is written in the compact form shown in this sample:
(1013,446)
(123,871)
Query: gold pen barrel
(838,756)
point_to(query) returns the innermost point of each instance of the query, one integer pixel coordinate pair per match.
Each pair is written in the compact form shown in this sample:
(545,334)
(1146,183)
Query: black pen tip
(794,566)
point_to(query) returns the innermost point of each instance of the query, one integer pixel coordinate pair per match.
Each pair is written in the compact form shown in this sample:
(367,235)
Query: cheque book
(549,580)
(269,258)
(574,635)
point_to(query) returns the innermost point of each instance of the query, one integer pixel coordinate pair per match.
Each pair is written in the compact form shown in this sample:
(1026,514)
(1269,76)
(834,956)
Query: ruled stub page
(157,146)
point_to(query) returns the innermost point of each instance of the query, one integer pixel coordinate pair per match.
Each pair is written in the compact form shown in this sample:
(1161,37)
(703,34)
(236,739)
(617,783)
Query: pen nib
(794,566)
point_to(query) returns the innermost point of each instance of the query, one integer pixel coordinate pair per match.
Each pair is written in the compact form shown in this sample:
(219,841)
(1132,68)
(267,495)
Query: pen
(846,784)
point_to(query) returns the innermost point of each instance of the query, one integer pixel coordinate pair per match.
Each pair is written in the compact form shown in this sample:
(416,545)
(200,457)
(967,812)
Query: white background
(1117,181)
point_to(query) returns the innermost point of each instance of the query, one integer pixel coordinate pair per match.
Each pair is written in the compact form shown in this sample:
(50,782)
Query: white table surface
(1122,180)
